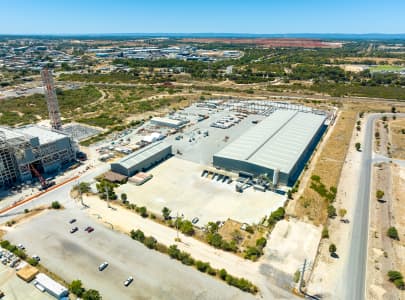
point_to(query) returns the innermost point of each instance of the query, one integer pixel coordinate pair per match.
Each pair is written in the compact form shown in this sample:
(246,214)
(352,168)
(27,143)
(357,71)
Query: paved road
(78,255)
(353,284)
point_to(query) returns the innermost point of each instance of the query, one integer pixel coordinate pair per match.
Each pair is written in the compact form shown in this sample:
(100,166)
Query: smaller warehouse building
(142,159)
(51,286)
(167,122)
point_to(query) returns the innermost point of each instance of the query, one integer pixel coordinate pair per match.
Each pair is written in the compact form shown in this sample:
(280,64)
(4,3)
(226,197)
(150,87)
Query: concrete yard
(15,288)
(78,255)
(178,185)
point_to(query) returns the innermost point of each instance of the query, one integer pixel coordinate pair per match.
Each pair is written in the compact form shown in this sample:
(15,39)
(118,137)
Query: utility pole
(106,190)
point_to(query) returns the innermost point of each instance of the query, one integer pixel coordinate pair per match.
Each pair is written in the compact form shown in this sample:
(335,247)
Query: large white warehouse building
(281,143)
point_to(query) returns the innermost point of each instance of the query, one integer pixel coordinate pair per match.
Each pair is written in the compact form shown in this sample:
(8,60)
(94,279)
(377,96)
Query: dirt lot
(269,42)
(397,138)
(178,185)
(311,205)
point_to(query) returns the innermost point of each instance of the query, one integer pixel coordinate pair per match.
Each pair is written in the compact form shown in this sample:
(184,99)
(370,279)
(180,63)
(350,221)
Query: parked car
(74,229)
(128,281)
(195,220)
(21,247)
(36,257)
(87,228)
(72,221)
(103,266)
(91,229)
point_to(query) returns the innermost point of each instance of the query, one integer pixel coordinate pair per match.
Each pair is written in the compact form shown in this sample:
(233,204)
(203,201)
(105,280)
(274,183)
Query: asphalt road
(353,284)
(78,255)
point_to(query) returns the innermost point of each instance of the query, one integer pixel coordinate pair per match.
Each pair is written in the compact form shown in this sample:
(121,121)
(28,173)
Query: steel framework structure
(51,99)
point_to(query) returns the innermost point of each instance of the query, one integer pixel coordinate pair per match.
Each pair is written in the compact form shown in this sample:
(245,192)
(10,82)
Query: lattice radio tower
(51,100)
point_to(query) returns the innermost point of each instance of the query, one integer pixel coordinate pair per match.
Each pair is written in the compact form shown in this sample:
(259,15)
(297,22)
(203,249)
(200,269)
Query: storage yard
(178,185)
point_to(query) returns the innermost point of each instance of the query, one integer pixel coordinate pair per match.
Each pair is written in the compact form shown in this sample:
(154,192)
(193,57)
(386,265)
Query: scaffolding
(51,99)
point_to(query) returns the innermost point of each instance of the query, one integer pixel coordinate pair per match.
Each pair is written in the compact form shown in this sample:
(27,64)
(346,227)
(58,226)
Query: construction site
(36,152)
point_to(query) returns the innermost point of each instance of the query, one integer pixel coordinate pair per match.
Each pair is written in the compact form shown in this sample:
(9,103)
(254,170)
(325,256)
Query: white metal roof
(50,284)
(276,142)
(167,121)
(142,154)
(44,135)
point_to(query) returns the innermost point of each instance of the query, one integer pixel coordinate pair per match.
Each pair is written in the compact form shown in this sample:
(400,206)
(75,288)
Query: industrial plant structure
(142,159)
(28,151)
(279,146)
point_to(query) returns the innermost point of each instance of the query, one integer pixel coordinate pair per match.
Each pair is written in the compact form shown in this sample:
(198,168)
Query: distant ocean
(117,36)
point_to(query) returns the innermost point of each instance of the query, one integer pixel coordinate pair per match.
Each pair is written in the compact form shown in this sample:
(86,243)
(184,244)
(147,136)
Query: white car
(103,266)
(21,247)
(128,281)
(36,257)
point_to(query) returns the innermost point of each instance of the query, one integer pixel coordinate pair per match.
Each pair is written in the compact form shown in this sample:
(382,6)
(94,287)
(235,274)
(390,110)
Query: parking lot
(178,185)
(197,147)
(78,255)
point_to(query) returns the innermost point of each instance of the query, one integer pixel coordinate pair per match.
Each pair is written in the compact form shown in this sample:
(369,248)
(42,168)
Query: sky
(201,16)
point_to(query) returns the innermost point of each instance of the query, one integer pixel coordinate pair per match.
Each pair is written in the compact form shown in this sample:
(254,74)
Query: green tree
(76,288)
(166,213)
(91,295)
(261,243)
(358,146)
(84,187)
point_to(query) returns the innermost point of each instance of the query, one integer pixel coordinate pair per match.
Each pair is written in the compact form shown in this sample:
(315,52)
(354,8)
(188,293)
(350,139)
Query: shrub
(276,216)
(32,262)
(202,266)
(261,242)
(250,229)
(55,205)
(186,227)
(20,253)
(91,295)
(393,233)
(332,248)
(211,271)
(394,275)
(331,211)
(186,259)
(379,194)
(124,197)
(150,242)
(252,253)
(358,146)
(174,252)
(76,288)
(161,248)
(143,212)
(222,274)
(5,244)
(138,235)
(166,213)
(325,233)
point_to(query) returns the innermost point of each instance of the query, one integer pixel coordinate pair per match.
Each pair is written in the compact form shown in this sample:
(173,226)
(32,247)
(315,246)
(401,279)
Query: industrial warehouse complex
(29,148)
(278,146)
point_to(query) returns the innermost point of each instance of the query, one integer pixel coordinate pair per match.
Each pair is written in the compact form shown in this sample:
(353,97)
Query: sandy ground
(287,249)
(257,272)
(178,185)
(327,269)
(397,138)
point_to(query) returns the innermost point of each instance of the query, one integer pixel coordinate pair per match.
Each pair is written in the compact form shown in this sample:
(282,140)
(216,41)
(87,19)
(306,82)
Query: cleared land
(178,185)
(397,132)
(311,205)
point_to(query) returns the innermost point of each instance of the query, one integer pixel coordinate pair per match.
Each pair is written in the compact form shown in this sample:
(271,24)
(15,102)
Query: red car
(91,229)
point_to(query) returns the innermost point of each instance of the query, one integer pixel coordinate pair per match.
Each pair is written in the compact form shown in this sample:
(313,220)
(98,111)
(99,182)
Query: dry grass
(311,205)
(227,231)
(397,138)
